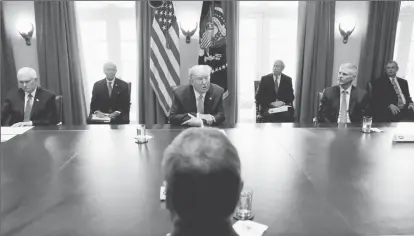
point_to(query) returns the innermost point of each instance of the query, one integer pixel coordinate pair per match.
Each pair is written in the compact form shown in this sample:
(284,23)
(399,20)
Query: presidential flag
(165,55)
(213,42)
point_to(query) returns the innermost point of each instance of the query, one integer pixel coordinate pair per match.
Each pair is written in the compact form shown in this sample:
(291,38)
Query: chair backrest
(320,94)
(256,86)
(59,108)
(129,92)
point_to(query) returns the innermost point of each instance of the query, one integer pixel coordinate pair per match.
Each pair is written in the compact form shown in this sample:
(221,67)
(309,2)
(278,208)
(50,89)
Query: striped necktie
(397,91)
(200,104)
(110,88)
(343,112)
(28,108)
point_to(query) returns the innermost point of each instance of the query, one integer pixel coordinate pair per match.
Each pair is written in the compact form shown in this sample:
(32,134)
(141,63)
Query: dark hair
(389,62)
(202,170)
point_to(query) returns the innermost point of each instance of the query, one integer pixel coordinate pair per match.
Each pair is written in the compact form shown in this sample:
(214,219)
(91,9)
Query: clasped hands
(112,115)
(396,109)
(194,121)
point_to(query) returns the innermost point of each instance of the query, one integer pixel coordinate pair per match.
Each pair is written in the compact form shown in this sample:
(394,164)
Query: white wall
(14,12)
(350,51)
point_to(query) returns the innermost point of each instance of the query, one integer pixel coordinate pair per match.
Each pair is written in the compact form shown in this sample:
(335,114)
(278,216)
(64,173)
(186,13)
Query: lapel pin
(210,98)
(37,99)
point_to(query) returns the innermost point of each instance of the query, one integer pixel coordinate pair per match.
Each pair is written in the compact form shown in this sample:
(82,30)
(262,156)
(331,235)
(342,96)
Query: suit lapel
(352,99)
(207,100)
(337,100)
(35,102)
(192,101)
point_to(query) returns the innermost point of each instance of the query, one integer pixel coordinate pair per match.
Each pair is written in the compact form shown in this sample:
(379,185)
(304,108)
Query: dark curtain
(59,59)
(150,111)
(316,25)
(378,43)
(7,64)
(231,13)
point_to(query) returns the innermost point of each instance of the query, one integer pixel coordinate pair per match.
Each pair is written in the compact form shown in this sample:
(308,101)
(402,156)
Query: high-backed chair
(59,108)
(259,118)
(129,92)
(319,95)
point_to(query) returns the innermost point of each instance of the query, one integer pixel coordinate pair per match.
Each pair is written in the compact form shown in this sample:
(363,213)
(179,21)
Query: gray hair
(201,70)
(27,71)
(109,64)
(202,170)
(389,62)
(283,64)
(351,66)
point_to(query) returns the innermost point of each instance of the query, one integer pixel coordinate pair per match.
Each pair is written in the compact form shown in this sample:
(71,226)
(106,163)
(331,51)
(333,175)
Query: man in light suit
(201,168)
(110,97)
(276,90)
(30,105)
(391,97)
(199,97)
(344,103)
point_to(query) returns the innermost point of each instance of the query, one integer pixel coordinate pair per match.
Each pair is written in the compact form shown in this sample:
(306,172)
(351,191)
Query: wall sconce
(188,33)
(346,28)
(26,31)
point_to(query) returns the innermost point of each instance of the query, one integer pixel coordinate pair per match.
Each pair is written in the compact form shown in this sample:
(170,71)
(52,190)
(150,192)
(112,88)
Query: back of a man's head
(202,170)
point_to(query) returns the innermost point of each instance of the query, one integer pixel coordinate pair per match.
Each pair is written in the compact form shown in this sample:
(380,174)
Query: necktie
(342,117)
(110,88)
(276,88)
(397,91)
(200,104)
(28,108)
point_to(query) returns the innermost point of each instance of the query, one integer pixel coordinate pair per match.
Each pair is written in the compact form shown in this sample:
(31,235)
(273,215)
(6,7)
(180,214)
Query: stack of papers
(103,119)
(249,228)
(8,133)
(283,108)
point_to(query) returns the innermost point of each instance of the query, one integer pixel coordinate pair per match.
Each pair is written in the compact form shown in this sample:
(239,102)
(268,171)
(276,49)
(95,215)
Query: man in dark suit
(391,98)
(276,90)
(30,105)
(199,97)
(202,172)
(110,97)
(344,103)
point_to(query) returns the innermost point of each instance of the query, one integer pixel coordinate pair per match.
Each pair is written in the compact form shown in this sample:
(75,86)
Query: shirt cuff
(118,112)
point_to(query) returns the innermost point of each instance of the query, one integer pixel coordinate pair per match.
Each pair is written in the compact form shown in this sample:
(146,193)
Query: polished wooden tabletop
(307,180)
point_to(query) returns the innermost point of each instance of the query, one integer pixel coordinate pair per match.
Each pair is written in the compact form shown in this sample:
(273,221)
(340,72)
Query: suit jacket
(119,100)
(184,102)
(330,105)
(383,95)
(266,92)
(44,111)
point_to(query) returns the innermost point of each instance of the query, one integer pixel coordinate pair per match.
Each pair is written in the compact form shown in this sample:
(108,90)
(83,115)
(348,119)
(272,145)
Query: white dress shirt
(277,79)
(348,96)
(399,89)
(26,97)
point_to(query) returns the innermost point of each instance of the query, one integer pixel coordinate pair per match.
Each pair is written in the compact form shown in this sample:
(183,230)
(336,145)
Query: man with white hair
(198,103)
(110,97)
(29,105)
(344,103)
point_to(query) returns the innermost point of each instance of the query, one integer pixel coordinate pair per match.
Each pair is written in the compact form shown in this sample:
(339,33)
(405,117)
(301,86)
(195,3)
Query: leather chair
(319,94)
(259,118)
(59,108)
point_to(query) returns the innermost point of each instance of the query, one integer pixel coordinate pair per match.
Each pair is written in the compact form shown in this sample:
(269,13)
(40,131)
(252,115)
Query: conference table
(307,180)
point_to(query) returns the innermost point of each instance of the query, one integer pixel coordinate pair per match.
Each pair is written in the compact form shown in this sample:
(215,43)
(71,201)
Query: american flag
(165,55)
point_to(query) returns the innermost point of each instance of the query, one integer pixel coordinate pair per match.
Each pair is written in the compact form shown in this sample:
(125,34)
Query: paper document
(279,109)
(249,228)
(6,137)
(104,119)
(15,130)
(403,138)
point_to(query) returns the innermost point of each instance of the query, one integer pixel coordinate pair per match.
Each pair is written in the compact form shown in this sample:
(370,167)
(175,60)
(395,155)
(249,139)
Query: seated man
(199,97)
(202,172)
(344,103)
(391,98)
(110,97)
(276,90)
(30,105)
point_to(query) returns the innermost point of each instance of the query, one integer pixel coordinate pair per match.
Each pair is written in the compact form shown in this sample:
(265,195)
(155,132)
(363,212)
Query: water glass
(141,134)
(244,208)
(366,124)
